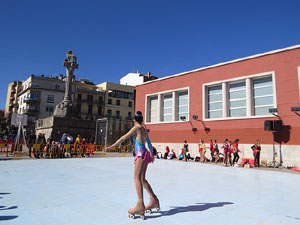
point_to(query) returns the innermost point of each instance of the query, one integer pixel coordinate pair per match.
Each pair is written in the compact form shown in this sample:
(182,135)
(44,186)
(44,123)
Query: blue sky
(113,38)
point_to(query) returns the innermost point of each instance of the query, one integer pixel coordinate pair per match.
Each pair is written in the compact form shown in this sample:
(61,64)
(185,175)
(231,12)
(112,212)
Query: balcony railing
(32,99)
(31,111)
(90,101)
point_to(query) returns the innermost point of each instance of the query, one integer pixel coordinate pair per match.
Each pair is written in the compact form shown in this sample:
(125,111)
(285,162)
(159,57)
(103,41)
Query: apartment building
(14,88)
(89,100)
(40,95)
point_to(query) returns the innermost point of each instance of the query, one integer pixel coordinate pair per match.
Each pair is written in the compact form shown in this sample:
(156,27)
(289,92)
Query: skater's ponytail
(138,117)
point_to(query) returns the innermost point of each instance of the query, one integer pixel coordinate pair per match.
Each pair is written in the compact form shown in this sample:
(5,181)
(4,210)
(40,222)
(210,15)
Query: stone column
(174,107)
(249,103)
(159,107)
(225,100)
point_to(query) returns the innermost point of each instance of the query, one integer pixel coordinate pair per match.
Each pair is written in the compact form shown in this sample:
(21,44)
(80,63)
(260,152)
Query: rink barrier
(53,151)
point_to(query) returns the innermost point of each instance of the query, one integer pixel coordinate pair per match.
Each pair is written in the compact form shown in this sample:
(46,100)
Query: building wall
(86,90)
(45,87)
(132,79)
(285,67)
(124,107)
(14,88)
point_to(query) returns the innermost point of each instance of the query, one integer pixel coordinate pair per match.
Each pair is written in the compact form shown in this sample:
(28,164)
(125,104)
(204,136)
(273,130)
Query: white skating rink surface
(92,191)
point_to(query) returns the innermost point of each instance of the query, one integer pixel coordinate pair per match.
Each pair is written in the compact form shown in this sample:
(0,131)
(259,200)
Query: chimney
(149,74)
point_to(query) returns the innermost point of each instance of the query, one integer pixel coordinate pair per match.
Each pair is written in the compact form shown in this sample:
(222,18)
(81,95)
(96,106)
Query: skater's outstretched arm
(123,138)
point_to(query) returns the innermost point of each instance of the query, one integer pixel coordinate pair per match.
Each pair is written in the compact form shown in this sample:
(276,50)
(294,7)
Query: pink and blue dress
(141,151)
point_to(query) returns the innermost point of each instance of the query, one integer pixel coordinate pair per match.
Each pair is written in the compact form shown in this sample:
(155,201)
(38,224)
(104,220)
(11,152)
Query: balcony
(31,111)
(32,100)
(90,101)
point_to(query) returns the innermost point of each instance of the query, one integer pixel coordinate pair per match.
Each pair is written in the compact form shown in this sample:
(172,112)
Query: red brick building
(228,100)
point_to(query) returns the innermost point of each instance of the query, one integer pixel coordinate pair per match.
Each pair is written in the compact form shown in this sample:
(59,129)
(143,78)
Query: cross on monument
(66,108)
(70,62)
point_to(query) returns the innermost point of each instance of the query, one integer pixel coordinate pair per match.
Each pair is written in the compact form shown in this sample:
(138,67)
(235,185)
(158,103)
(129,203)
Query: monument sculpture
(67,108)
(66,118)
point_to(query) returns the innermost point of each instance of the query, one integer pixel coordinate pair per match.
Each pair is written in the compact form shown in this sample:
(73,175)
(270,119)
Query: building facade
(137,78)
(13,90)
(119,100)
(228,100)
(119,109)
(89,100)
(40,95)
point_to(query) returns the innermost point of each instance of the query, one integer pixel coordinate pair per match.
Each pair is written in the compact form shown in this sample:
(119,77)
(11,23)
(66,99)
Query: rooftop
(225,63)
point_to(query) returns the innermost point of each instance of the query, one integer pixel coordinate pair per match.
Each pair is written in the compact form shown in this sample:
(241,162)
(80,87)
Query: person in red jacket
(235,151)
(83,143)
(212,150)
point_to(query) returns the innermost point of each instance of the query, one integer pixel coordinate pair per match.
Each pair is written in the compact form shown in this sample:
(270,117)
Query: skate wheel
(131,216)
(148,211)
(142,217)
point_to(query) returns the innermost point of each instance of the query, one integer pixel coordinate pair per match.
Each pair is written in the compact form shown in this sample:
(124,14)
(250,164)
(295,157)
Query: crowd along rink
(93,191)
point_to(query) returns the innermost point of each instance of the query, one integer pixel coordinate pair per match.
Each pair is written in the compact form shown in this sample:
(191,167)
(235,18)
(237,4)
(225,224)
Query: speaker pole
(273,163)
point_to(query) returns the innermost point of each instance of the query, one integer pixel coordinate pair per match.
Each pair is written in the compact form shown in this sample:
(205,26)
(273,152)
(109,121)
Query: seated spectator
(181,156)
(188,156)
(167,153)
(172,155)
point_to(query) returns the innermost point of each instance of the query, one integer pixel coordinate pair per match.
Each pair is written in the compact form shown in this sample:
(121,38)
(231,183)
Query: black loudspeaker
(277,125)
(268,125)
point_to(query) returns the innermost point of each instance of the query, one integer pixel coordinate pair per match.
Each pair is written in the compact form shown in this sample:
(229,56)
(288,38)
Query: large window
(153,112)
(50,98)
(183,105)
(237,99)
(262,95)
(246,97)
(90,109)
(169,106)
(215,106)
(120,94)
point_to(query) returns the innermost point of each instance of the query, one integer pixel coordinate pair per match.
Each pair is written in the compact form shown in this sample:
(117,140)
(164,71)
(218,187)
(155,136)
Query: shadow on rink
(198,207)
(2,208)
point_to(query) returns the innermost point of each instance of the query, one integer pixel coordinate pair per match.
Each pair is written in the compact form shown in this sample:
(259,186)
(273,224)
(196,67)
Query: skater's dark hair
(138,117)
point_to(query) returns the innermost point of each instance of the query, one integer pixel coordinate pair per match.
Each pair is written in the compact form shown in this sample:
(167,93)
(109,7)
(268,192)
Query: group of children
(230,155)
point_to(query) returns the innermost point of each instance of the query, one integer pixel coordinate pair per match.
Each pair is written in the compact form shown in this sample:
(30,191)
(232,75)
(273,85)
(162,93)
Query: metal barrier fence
(53,151)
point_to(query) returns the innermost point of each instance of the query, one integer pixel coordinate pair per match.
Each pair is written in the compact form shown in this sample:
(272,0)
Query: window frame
(237,80)
(50,100)
(174,111)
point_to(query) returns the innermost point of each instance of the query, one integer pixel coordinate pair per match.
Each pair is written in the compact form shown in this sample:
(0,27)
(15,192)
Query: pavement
(94,191)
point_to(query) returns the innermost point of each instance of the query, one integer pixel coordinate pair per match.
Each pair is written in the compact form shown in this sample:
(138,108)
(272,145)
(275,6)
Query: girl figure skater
(141,160)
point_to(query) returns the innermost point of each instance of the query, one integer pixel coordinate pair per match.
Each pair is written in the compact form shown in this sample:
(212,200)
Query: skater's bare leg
(154,202)
(138,169)
(145,183)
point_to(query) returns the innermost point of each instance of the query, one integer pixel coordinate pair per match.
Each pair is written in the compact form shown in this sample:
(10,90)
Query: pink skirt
(144,154)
